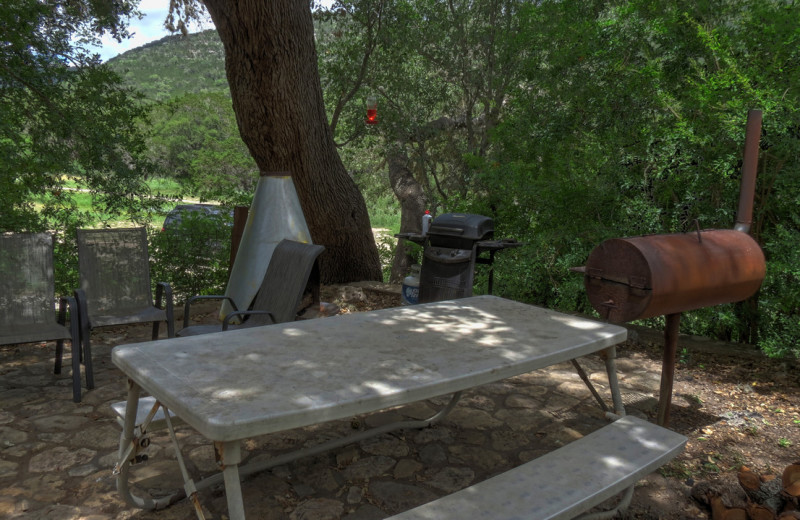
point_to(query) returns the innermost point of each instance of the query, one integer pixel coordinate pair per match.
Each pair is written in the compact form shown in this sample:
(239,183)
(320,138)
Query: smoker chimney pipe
(747,190)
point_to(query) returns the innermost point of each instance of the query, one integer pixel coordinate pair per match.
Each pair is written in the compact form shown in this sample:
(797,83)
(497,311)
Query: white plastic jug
(410,294)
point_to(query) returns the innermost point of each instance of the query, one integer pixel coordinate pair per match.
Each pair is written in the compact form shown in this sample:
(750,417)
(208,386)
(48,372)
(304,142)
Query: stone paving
(56,456)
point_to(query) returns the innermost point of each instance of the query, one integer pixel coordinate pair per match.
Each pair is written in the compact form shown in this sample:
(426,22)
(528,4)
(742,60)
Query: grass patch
(384,212)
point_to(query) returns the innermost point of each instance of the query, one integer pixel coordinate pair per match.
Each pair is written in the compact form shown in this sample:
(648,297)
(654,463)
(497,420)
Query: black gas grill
(451,249)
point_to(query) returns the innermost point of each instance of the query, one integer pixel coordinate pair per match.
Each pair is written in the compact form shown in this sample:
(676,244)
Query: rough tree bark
(271,65)
(412,205)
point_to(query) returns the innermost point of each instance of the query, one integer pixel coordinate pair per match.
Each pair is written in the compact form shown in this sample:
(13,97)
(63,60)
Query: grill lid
(462,225)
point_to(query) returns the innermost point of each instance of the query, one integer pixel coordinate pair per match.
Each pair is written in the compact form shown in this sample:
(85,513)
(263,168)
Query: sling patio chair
(27,302)
(115,284)
(292,268)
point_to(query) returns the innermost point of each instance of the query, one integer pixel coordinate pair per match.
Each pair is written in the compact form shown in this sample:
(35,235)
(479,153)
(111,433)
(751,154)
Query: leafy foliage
(637,127)
(573,122)
(195,140)
(62,113)
(193,255)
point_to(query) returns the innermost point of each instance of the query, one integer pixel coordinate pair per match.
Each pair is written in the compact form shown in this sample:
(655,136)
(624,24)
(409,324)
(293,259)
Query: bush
(193,256)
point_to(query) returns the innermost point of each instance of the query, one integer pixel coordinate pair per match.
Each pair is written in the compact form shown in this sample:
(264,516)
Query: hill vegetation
(174,66)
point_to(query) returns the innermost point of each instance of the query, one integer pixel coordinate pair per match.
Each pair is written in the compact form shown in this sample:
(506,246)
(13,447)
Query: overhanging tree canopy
(63,113)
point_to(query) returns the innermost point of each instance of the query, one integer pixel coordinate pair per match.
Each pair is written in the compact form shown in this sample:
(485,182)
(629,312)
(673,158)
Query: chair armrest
(204,297)
(166,289)
(231,315)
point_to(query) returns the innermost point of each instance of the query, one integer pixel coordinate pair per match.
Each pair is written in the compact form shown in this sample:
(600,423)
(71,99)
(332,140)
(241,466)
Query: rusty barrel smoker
(628,279)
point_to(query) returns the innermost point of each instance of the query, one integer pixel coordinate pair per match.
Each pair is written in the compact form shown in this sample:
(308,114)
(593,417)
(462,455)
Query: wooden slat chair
(115,287)
(27,302)
(291,269)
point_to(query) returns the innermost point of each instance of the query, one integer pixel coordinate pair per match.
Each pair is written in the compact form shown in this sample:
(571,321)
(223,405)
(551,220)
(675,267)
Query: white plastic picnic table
(235,385)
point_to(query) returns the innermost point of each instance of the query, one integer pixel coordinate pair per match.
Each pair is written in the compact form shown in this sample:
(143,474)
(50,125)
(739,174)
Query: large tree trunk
(412,206)
(271,64)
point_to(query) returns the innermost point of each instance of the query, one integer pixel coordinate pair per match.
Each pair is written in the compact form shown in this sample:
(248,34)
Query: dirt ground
(736,406)
(737,410)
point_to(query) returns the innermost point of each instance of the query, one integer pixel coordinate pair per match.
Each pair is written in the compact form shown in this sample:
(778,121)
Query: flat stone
(55,438)
(507,440)
(26,448)
(45,489)
(354,495)
(56,423)
(481,402)
(59,459)
(395,497)
(474,437)
(82,471)
(432,454)
(103,436)
(418,411)
(385,445)
(579,388)
(8,468)
(365,512)
(407,468)
(204,459)
(319,476)
(434,434)
(522,401)
(368,468)
(11,437)
(524,419)
(318,509)
(479,457)
(471,418)
(452,479)
(533,390)
(347,457)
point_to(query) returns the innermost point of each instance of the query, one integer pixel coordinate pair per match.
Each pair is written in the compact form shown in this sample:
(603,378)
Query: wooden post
(239,221)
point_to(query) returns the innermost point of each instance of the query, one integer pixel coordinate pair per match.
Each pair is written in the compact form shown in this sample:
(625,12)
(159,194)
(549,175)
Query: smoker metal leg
(668,368)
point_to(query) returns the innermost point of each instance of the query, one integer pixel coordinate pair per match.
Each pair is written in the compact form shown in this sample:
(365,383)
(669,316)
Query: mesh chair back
(115,270)
(27,289)
(281,292)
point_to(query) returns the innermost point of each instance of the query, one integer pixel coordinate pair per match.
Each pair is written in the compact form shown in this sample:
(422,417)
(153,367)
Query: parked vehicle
(205,212)
(202,228)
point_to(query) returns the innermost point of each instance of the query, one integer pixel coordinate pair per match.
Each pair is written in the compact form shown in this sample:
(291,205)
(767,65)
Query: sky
(149,28)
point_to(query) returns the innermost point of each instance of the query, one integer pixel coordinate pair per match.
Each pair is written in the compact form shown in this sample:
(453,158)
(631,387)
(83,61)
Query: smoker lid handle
(438,230)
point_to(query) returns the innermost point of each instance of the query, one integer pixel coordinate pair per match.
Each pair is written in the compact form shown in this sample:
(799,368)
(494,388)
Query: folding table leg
(128,445)
(229,456)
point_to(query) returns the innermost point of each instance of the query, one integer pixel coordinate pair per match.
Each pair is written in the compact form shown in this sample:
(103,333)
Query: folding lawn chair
(27,302)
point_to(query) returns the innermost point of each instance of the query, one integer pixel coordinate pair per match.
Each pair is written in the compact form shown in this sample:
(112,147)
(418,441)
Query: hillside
(175,65)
